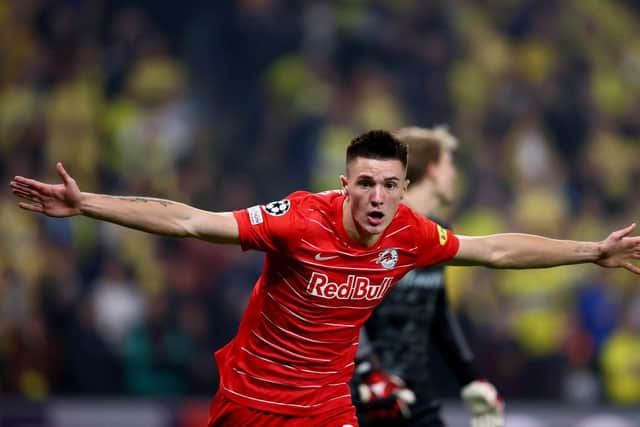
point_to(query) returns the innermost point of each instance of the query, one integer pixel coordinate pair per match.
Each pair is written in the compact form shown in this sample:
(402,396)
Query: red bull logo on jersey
(387,258)
(355,288)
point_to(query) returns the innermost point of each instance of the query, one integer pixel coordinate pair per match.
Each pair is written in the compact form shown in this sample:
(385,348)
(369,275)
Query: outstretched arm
(152,215)
(512,250)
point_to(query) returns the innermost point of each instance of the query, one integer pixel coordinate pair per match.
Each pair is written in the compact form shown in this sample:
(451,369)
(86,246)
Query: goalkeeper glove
(485,406)
(385,396)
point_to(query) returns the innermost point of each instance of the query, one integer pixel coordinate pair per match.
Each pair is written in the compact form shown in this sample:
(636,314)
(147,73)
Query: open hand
(58,200)
(619,250)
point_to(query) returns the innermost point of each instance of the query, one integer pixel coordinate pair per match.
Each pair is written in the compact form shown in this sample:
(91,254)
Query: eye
(391,185)
(364,184)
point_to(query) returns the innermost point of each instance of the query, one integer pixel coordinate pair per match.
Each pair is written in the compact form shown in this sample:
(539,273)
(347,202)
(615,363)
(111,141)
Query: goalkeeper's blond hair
(425,146)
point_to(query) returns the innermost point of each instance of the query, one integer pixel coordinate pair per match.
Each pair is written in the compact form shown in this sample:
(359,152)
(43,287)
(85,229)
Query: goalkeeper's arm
(379,395)
(480,397)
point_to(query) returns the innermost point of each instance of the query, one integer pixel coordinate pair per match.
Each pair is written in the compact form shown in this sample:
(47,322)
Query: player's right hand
(58,200)
(485,406)
(619,249)
(385,396)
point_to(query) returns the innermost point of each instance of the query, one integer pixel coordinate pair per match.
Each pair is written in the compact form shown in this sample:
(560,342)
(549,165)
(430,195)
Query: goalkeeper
(392,383)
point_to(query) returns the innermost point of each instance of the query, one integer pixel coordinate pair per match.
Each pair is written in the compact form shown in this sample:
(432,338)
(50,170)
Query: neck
(421,198)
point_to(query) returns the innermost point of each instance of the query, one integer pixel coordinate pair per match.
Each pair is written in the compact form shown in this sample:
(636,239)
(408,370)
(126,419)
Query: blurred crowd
(224,105)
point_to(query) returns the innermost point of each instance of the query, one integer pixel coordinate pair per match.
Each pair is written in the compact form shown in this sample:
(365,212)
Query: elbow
(500,259)
(186,229)
(516,260)
(183,227)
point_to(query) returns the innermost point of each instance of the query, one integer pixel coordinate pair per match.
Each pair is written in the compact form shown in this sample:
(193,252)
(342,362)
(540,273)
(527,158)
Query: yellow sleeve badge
(442,235)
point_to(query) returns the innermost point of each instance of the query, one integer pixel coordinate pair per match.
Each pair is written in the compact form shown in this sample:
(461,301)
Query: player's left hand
(619,250)
(485,406)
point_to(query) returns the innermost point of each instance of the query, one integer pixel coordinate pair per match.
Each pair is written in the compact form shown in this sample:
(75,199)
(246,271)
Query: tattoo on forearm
(163,202)
(583,249)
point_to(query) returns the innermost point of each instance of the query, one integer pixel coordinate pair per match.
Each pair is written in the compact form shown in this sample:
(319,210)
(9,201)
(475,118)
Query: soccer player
(393,373)
(330,259)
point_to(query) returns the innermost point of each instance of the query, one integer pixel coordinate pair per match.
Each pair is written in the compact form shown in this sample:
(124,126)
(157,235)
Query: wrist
(600,252)
(466,373)
(82,207)
(474,380)
(590,251)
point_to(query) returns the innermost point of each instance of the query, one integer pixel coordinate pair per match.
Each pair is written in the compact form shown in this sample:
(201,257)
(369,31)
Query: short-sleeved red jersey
(294,350)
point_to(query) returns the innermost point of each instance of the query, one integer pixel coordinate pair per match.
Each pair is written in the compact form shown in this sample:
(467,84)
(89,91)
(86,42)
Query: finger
(17,186)
(495,421)
(478,421)
(633,243)
(26,196)
(632,267)
(624,232)
(24,189)
(63,173)
(28,182)
(31,207)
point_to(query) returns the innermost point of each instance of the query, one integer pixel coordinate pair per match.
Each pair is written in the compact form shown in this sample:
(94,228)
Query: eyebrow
(392,178)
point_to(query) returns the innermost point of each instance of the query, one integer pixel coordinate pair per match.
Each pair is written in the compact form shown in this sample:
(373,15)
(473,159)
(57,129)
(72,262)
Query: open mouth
(375,218)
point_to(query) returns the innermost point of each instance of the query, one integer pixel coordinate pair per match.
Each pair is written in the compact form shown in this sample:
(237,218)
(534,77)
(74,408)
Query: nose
(377,196)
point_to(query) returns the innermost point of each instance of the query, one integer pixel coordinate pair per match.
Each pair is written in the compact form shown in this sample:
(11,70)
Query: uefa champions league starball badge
(277,208)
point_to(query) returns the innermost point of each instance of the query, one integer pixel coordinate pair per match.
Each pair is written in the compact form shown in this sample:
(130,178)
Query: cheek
(363,203)
(392,202)
(359,201)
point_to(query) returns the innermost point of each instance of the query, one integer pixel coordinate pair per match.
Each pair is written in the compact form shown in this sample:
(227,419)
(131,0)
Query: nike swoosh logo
(319,257)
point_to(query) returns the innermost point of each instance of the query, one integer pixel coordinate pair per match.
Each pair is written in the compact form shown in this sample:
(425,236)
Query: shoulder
(407,215)
(321,201)
(420,227)
(439,222)
(299,206)
(288,203)
(407,227)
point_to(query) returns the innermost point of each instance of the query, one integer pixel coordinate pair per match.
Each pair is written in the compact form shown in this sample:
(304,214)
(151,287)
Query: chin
(368,229)
(375,229)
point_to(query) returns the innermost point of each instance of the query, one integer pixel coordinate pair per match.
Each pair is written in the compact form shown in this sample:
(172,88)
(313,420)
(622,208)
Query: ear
(405,188)
(345,184)
(430,169)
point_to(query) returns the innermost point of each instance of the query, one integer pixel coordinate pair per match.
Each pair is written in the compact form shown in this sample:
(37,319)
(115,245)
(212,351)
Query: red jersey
(294,350)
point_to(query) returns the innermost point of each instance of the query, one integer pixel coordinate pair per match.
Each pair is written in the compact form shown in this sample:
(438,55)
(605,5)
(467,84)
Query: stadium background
(228,104)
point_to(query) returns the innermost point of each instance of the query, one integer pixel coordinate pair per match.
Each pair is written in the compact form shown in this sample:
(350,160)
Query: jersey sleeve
(436,243)
(269,227)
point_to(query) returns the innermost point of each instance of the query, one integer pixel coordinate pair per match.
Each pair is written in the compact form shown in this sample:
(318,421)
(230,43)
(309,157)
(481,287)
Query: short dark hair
(377,144)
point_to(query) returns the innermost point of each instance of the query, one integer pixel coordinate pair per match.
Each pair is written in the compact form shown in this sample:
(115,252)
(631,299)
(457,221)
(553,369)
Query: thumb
(625,231)
(66,178)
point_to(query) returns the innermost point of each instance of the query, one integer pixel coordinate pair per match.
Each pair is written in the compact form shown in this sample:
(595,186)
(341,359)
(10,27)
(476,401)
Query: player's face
(444,178)
(374,189)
